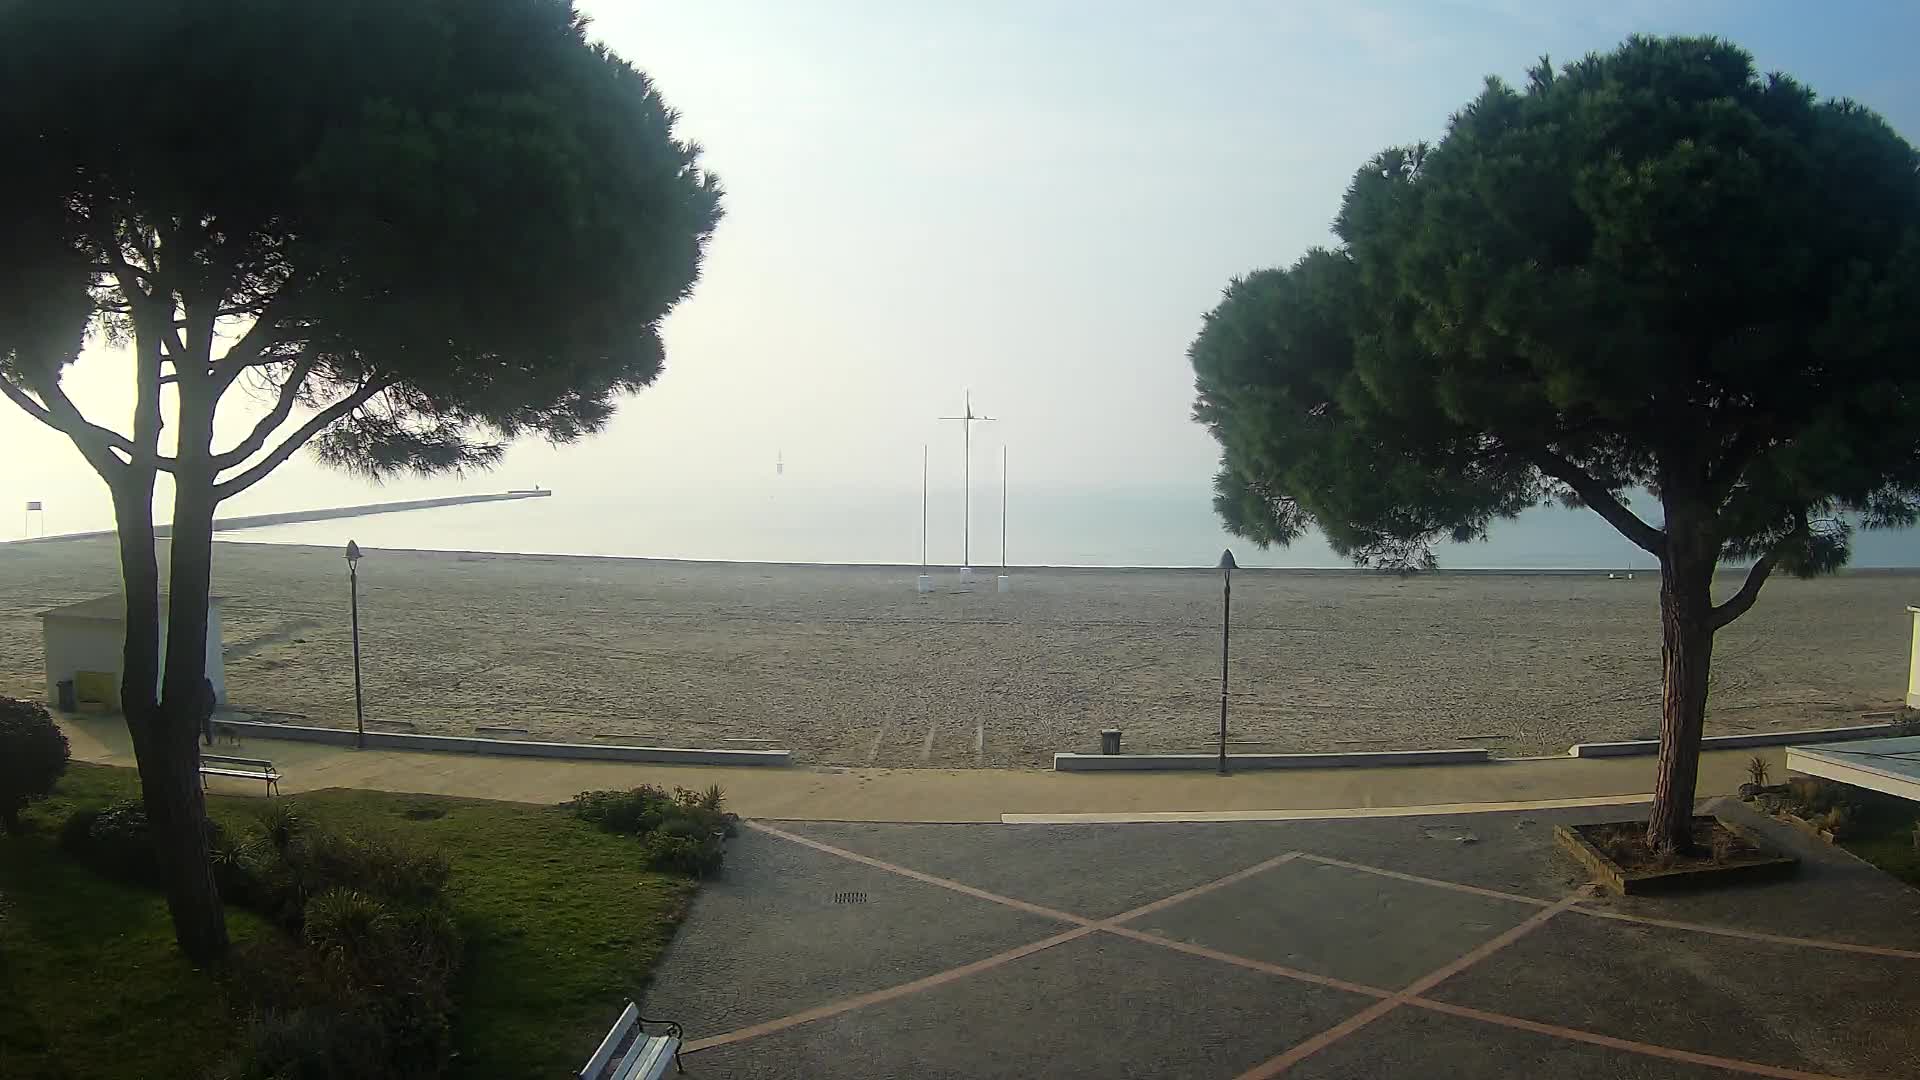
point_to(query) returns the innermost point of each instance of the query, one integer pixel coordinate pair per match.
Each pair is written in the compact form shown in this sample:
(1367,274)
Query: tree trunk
(199,921)
(164,749)
(1686,655)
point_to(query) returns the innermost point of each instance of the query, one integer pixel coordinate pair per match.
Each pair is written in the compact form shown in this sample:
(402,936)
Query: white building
(1913,661)
(84,642)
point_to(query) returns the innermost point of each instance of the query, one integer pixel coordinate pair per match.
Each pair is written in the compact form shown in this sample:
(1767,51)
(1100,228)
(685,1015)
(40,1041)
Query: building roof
(1888,765)
(111,608)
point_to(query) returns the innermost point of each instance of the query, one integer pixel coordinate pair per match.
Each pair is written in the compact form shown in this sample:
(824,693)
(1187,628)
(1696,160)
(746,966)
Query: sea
(797,524)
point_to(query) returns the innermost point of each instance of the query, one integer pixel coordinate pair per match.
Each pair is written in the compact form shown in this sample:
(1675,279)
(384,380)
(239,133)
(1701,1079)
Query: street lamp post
(1227,567)
(353,590)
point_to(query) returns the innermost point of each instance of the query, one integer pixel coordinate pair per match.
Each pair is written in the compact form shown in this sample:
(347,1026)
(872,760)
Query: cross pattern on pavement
(1386,1000)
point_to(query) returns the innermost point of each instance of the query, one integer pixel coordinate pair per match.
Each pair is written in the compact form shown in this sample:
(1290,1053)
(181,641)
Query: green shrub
(291,862)
(77,830)
(342,925)
(118,842)
(633,812)
(392,872)
(280,823)
(682,832)
(695,855)
(1813,797)
(1837,820)
(363,993)
(315,1043)
(33,755)
(1758,770)
(361,986)
(393,964)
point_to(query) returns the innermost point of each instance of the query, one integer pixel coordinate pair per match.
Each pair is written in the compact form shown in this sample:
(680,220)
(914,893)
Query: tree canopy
(413,229)
(442,223)
(1653,269)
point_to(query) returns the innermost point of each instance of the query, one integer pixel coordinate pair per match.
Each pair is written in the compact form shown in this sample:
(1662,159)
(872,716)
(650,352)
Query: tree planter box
(1768,864)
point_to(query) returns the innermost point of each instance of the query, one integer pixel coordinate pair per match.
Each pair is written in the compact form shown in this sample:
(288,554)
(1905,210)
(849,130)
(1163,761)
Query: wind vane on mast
(967,420)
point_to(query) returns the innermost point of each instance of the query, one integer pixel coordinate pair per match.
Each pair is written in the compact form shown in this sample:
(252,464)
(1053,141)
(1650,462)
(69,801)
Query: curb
(393,740)
(1736,742)
(1209,762)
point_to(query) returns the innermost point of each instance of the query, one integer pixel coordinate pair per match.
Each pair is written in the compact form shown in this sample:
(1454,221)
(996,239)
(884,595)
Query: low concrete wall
(1736,742)
(396,740)
(1133,762)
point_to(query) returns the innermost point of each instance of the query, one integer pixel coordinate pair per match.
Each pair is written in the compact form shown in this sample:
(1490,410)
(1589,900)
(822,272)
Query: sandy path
(849,666)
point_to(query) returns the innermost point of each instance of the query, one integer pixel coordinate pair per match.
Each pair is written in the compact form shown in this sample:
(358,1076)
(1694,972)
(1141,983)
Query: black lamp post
(353,587)
(1227,567)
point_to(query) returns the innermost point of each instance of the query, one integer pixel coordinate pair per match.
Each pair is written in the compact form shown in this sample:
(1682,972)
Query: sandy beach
(849,666)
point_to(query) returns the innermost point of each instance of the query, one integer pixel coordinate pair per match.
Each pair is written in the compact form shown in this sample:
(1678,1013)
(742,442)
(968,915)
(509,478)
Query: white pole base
(925,584)
(966,575)
(1006,583)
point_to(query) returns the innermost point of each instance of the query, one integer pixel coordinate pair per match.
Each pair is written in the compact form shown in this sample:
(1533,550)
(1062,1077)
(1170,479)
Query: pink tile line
(861,1001)
(1621,916)
(1753,935)
(1389,999)
(1752,1068)
(1312,1046)
(880,864)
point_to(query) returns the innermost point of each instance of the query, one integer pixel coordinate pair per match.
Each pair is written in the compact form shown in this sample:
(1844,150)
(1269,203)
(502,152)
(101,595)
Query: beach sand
(849,666)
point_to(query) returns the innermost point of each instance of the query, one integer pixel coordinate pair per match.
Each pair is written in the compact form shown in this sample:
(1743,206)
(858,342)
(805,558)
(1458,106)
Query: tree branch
(1744,447)
(123,271)
(1739,602)
(1603,502)
(262,431)
(95,443)
(1757,574)
(258,471)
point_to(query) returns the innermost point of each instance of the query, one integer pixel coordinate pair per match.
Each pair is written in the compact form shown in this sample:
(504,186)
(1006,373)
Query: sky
(1032,201)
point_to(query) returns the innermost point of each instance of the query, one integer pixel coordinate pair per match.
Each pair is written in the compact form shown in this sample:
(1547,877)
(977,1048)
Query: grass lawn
(562,926)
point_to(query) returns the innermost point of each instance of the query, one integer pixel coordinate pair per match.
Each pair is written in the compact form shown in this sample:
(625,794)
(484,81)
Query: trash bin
(69,702)
(1110,740)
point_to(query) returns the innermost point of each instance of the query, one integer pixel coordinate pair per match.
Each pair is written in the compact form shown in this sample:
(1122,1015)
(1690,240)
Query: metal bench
(629,1053)
(242,768)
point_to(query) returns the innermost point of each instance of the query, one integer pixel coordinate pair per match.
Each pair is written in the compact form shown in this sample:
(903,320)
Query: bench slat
(649,1059)
(241,773)
(611,1043)
(262,762)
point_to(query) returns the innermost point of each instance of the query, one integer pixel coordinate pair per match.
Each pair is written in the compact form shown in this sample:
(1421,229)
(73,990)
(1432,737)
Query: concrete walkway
(1437,948)
(959,795)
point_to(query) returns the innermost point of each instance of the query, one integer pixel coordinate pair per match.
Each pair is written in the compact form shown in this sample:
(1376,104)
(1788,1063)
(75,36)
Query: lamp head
(353,553)
(1226,560)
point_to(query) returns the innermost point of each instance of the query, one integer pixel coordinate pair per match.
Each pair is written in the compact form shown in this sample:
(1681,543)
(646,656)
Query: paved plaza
(1456,946)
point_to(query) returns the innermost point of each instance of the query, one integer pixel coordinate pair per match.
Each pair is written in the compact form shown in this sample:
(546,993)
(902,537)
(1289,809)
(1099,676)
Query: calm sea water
(797,524)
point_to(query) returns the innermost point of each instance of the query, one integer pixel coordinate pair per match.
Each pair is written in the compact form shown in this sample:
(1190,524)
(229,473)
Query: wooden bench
(629,1053)
(242,768)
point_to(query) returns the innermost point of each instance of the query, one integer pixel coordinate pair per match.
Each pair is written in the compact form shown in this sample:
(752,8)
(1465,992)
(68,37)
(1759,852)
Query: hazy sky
(1034,200)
